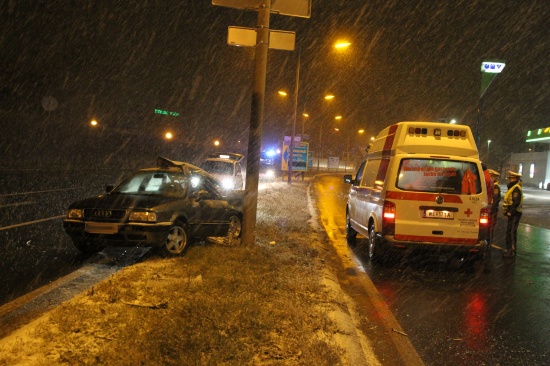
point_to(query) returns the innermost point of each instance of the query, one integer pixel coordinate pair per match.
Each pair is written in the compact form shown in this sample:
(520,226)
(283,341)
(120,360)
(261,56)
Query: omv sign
(492,67)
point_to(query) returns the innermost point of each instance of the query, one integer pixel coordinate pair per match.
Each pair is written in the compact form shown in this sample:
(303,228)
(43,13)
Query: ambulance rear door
(438,200)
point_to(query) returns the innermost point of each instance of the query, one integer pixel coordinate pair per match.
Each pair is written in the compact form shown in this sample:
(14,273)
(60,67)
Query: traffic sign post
(489,71)
(299,8)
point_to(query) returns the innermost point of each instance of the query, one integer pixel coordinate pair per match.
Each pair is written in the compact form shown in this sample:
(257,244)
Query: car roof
(165,163)
(226,156)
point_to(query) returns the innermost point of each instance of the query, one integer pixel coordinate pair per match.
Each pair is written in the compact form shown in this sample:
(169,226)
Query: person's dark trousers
(512,232)
(491,228)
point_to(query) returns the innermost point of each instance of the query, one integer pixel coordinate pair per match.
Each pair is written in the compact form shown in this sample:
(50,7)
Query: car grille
(102,214)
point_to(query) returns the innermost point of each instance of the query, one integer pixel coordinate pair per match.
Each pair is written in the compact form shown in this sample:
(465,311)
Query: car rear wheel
(375,251)
(351,234)
(177,240)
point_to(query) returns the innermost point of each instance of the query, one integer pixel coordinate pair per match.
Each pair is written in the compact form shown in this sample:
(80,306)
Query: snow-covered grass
(218,304)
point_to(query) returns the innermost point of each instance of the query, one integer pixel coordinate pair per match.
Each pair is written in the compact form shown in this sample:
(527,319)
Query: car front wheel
(235,229)
(177,240)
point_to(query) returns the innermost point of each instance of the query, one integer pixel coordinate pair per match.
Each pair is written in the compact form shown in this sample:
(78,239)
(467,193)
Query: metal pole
(256,121)
(296,88)
(479,112)
(319,150)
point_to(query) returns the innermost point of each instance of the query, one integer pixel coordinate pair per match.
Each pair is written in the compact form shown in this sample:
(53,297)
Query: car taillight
(484,217)
(388,218)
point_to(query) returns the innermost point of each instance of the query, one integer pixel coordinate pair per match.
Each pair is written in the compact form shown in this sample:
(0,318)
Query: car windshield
(445,176)
(217,167)
(156,183)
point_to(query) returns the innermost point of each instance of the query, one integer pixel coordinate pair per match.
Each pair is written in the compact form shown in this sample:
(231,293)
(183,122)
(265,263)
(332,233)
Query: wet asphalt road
(455,313)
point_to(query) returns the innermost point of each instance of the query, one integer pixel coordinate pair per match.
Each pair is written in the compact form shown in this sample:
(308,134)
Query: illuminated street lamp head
(342,45)
(282,93)
(336,129)
(338,117)
(305,115)
(168,135)
(329,97)
(93,122)
(361,131)
(216,143)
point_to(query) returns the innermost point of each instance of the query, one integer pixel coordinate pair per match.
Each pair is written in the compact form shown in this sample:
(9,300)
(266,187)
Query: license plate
(435,214)
(101,228)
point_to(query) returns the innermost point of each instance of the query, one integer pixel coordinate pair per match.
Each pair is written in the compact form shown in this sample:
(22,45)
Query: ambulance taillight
(484,217)
(388,218)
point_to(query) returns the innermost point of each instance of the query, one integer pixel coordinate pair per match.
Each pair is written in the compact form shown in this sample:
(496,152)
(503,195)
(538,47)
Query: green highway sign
(166,113)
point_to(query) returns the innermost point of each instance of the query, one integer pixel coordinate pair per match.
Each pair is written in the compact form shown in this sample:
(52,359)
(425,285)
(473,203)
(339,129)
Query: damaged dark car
(168,206)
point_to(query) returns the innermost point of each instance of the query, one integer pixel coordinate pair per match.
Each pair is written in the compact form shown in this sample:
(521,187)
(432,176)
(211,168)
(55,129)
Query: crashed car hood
(121,200)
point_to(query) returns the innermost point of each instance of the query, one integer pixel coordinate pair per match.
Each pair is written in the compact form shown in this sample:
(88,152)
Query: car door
(211,211)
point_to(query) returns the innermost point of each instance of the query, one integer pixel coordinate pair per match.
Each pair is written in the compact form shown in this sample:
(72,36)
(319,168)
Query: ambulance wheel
(351,234)
(375,251)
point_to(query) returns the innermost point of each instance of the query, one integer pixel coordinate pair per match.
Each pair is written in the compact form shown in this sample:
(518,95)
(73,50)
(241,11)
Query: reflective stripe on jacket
(511,203)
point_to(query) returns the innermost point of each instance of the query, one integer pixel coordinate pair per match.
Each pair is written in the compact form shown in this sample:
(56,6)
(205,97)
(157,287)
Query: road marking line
(20,204)
(46,191)
(30,222)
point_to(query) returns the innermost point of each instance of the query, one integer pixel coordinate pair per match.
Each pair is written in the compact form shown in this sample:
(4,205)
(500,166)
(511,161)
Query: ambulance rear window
(441,176)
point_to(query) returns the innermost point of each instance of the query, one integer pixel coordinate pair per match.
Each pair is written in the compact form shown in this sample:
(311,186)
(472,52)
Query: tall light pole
(488,145)
(328,97)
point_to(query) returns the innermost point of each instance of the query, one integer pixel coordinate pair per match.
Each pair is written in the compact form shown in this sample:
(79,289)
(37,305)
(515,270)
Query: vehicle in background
(421,187)
(268,166)
(167,206)
(226,167)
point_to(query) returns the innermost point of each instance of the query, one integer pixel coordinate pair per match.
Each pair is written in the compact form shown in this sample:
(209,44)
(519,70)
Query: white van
(421,187)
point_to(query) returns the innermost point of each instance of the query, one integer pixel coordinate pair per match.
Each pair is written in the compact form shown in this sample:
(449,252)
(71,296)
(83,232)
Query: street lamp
(488,145)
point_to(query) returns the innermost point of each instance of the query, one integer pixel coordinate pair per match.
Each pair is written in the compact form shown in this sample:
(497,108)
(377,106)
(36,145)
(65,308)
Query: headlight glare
(143,216)
(228,183)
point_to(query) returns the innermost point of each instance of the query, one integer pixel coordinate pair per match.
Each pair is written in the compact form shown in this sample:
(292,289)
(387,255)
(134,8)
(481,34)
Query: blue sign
(300,157)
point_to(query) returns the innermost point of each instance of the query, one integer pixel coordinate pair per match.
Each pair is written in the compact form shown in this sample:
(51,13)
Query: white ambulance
(421,187)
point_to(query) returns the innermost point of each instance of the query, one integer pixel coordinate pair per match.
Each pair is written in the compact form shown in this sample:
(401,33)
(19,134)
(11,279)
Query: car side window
(200,182)
(371,172)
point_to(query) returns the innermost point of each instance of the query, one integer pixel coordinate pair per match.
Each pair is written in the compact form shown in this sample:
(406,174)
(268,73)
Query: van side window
(371,172)
(359,174)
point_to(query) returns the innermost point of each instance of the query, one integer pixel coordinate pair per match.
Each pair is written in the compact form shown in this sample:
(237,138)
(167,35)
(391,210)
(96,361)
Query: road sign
(489,71)
(300,160)
(295,8)
(492,67)
(246,37)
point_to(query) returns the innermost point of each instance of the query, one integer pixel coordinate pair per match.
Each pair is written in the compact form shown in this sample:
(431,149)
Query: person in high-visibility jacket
(494,206)
(512,207)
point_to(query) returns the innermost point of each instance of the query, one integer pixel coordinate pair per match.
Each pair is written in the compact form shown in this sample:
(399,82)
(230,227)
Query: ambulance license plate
(436,214)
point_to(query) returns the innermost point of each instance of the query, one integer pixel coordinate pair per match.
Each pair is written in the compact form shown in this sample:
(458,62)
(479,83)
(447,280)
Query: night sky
(118,61)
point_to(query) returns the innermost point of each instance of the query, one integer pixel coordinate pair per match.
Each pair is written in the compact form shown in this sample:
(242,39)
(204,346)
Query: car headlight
(143,216)
(75,213)
(228,183)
